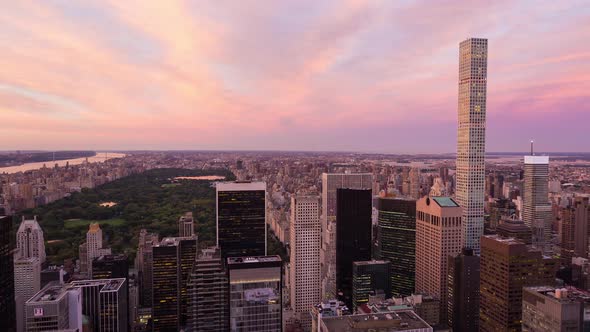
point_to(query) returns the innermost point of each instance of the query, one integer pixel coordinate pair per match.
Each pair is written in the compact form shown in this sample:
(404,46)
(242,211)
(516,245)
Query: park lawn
(83,223)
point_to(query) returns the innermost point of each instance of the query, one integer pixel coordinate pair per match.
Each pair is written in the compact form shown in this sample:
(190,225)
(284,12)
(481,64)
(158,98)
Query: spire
(532,151)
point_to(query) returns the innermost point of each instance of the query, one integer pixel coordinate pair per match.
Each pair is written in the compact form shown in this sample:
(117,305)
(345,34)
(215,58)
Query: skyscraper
(241,218)
(438,236)
(208,294)
(370,278)
(143,264)
(94,247)
(29,240)
(7,312)
(536,209)
(331,183)
(305,238)
(473,55)
(55,308)
(104,302)
(555,309)
(396,241)
(27,282)
(353,236)
(255,293)
(507,265)
(186,225)
(110,267)
(463,287)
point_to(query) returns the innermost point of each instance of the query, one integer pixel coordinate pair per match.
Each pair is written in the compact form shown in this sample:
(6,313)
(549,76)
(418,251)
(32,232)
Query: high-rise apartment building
(370,278)
(208,294)
(29,240)
(241,218)
(536,208)
(173,260)
(27,282)
(143,264)
(396,241)
(330,183)
(353,236)
(463,288)
(104,302)
(255,293)
(438,236)
(186,225)
(93,246)
(7,307)
(56,307)
(470,175)
(305,241)
(507,265)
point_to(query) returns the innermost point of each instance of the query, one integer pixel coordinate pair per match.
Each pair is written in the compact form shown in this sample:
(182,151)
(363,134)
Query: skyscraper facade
(473,55)
(255,293)
(370,278)
(30,241)
(353,236)
(305,238)
(110,267)
(55,308)
(186,225)
(330,183)
(94,246)
(536,209)
(241,218)
(104,302)
(396,241)
(27,282)
(143,264)
(7,323)
(463,287)
(438,236)
(507,265)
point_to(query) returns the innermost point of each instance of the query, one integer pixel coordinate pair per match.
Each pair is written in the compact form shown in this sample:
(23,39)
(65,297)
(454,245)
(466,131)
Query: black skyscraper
(110,267)
(396,241)
(241,218)
(7,304)
(353,236)
(463,287)
(370,278)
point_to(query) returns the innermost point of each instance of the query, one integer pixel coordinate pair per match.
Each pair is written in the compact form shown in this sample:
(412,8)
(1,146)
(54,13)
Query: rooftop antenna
(532,151)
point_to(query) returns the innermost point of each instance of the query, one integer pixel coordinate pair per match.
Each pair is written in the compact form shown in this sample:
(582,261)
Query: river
(100,157)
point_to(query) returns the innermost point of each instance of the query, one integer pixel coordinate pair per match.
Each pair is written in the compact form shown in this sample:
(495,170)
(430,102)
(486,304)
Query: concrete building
(396,241)
(331,182)
(186,225)
(473,67)
(438,236)
(463,287)
(305,241)
(241,218)
(104,302)
(536,209)
(29,240)
(255,292)
(550,309)
(507,265)
(7,304)
(208,294)
(55,307)
(27,282)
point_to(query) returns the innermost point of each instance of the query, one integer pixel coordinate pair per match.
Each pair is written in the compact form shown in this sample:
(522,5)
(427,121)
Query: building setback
(438,236)
(353,236)
(507,265)
(396,242)
(241,218)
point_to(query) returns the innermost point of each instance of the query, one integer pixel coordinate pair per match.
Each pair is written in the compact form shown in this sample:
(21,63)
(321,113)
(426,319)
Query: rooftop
(49,294)
(253,259)
(109,285)
(563,295)
(240,186)
(371,262)
(536,160)
(445,201)
(399,320)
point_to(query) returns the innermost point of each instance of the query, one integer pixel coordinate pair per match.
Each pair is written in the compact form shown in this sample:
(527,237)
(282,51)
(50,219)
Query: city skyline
(350,76)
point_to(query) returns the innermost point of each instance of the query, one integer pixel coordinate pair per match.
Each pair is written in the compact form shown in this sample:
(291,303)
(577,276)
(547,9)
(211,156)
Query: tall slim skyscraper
(30,241)
(463,288)
(94,247)
(438,236)
(255,293)
(536,208)
(353,236)
(241,218)
(7,323)
(396,242)
(27,282)
(143,264)
(331,183)
(473,64)
(507,265)
(305,238)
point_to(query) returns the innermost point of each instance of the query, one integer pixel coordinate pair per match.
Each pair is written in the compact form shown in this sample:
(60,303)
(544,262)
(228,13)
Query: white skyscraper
(330,183)
(473,55)
(305,240)
(94,246)
(536,208)
(27,282)
(29,240)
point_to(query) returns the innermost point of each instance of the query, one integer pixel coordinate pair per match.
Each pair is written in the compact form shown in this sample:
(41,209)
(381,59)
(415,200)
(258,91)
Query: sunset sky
(372,76)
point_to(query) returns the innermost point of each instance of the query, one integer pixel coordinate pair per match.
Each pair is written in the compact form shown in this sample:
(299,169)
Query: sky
(341,75)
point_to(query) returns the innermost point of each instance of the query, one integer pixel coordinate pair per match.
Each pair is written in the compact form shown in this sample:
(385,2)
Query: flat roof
(109,284)
(253,259)
(398,320)
(240,186)
(374,261)
(536,159)
(49,294)
(444,201)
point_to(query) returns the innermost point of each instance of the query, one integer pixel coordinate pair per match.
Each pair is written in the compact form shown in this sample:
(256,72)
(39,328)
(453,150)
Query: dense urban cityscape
(247,240)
